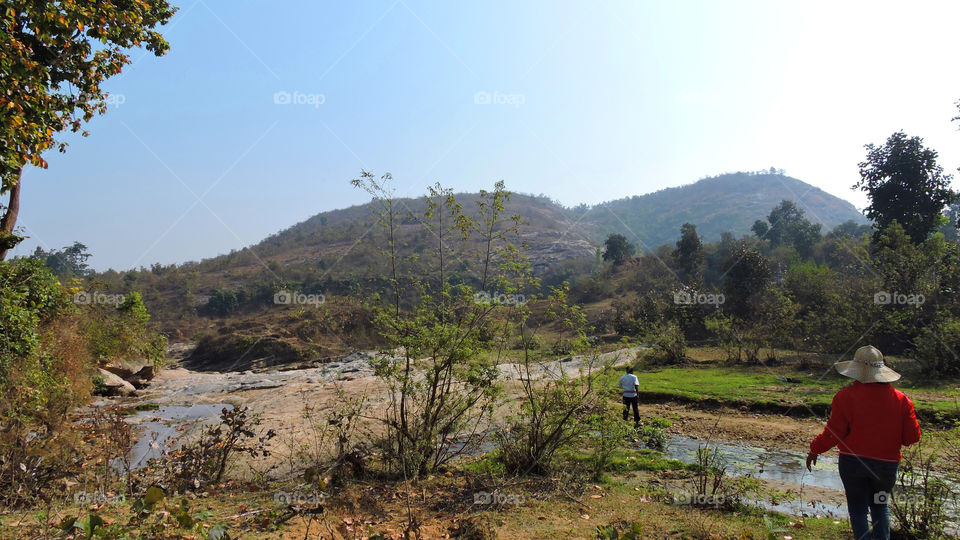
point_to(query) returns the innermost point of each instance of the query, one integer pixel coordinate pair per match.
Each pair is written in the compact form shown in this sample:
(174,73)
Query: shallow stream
(160,426)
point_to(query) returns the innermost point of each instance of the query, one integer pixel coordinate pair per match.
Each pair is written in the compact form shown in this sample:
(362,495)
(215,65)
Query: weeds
(920,506)
(608,433)
(195,465)
(630,531)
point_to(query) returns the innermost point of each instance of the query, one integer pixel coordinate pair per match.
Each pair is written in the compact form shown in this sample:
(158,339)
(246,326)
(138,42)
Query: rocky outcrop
(113,385)
(136,372)
(548,249)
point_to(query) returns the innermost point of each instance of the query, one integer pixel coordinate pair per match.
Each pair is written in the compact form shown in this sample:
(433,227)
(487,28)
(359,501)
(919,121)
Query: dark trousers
(627,402)
(868,484)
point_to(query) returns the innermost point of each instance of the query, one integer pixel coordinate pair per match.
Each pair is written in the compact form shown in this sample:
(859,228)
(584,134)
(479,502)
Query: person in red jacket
(869,422)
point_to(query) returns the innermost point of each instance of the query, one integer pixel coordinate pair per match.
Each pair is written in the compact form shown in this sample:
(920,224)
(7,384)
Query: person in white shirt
(629,386)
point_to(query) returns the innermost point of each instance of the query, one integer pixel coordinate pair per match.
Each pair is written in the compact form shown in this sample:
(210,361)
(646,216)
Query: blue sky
(262,112)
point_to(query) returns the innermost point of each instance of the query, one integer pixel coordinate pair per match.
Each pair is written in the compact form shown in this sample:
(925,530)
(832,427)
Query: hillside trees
(617,249)
(909,286)
(688,255)
(69,262)
(787,225)
(55,56)
(50,347)
(905,184)
(747,274)
(758,314)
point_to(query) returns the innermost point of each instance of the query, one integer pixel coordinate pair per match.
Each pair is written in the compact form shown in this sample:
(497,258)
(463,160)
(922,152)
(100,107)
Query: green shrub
(49,349)
(121,332)
(653,437)
(668,342)
(30,295)
(936,348)
(223,302)
(45,370)
(608,433)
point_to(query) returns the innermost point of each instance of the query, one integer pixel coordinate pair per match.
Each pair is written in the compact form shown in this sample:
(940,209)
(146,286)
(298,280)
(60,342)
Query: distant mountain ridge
(724,203)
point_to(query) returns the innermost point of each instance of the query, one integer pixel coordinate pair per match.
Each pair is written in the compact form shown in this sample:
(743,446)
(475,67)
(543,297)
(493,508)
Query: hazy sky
(263,111)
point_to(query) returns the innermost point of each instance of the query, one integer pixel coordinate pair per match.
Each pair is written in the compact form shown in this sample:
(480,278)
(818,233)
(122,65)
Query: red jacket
(869,420)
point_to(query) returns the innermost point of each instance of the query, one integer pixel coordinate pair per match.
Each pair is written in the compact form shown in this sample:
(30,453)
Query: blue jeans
(868,484)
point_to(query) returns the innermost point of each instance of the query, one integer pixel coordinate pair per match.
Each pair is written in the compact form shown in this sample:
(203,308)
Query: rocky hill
(339,252)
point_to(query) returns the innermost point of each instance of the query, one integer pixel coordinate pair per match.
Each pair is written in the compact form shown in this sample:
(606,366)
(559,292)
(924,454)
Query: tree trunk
(9,219)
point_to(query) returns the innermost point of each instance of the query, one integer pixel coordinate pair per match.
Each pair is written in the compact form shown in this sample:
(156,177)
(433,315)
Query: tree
(617,248)
(223,302)
(54,57)
(441,348)
(689,252)
(951,229)
(848,229)
(68,262)
(788,226)
(747,275)
(760,228)
(905,184)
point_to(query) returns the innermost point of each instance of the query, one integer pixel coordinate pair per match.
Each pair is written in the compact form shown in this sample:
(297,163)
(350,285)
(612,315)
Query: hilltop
(724,203)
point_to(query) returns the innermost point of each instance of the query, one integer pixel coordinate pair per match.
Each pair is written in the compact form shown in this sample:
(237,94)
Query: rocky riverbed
(766,446)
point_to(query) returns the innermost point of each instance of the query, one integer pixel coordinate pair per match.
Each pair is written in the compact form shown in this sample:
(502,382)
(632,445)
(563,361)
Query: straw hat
(867,367)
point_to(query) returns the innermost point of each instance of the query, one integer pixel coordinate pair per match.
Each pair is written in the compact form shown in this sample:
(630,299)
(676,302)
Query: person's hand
(811,460)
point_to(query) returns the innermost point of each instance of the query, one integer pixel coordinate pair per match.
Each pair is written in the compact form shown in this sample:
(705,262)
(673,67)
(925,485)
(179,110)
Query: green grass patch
(635,460)
(779,389)
(147,406)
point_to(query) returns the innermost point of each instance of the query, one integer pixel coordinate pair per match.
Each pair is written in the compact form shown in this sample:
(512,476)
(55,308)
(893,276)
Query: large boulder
(127,369)
(116,386)
(136,372)
(145,373)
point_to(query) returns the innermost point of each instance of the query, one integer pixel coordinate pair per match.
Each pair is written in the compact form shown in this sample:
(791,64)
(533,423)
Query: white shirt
(628,384)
